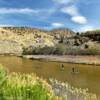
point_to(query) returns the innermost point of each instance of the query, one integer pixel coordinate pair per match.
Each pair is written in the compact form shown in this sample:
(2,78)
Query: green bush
(93,51)
(28,50)
(60,49)
(39,50)
(47,50)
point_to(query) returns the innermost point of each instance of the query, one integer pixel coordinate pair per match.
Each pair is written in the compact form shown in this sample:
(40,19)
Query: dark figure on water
(62,67)
(75,71)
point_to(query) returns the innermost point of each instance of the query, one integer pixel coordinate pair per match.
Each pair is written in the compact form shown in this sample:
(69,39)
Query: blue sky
(78,15)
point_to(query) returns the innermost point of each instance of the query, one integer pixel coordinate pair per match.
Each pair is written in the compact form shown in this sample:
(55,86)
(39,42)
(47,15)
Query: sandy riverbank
(67,58)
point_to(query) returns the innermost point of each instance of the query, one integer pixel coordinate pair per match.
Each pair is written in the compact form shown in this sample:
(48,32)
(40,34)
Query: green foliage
(47,50)
(39,50)
(23,87)
(60,49)
(28,50)
(93,51)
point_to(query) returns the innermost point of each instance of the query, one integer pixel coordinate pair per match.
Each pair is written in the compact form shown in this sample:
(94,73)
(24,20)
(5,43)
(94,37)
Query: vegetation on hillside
(24,40)
(62,34)
(94,35)
(26,36)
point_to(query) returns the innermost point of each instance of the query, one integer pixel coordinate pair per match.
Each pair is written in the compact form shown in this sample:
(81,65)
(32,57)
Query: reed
(23,87)
(67,92)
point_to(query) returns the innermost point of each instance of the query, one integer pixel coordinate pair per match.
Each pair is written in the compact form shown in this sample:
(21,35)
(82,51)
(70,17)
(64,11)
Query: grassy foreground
(15,86)
(23,87)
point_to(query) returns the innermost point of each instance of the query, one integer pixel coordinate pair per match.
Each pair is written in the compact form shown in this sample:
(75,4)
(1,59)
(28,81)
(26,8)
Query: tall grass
(67,92)
(23,87)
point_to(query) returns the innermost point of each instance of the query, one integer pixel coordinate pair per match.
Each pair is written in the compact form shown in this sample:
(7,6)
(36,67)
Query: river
(88,76)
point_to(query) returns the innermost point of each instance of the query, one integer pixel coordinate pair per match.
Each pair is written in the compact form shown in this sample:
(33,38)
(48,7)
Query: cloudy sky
(78,15)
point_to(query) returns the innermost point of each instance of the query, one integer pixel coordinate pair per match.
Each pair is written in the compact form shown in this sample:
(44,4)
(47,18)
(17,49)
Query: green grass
(23,87)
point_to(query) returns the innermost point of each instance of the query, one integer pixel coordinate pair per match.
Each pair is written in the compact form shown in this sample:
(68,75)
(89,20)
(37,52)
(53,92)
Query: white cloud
(71,10)
(36,13)
(76,16)
(86,28)
(57,25)
(18,10)
(79,19)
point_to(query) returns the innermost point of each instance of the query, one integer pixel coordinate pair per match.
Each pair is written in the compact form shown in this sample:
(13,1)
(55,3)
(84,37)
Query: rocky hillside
(14,39)
(27,36)
(88,42)
(94,35)
(62,34)
(24,40)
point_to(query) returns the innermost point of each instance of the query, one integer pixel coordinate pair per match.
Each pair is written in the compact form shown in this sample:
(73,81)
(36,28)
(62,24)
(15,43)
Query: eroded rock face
(10,47)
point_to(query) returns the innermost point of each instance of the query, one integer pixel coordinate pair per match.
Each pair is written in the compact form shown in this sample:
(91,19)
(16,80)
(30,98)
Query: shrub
(47,50)
(28,50)
(93,51)
(39,50)
(60,49)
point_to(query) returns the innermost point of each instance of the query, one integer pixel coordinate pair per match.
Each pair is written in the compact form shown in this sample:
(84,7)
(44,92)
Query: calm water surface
(88,76)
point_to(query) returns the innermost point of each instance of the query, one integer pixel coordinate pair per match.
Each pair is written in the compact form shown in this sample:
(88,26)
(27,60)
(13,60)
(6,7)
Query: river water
(86,76)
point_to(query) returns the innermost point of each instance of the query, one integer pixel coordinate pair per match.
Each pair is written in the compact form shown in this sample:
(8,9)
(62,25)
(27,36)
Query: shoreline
(78,59)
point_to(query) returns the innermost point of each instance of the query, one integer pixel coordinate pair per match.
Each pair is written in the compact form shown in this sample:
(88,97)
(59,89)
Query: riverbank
(92,60)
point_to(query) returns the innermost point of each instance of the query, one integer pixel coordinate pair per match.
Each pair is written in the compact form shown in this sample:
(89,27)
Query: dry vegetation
(24,40)
(26,36)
